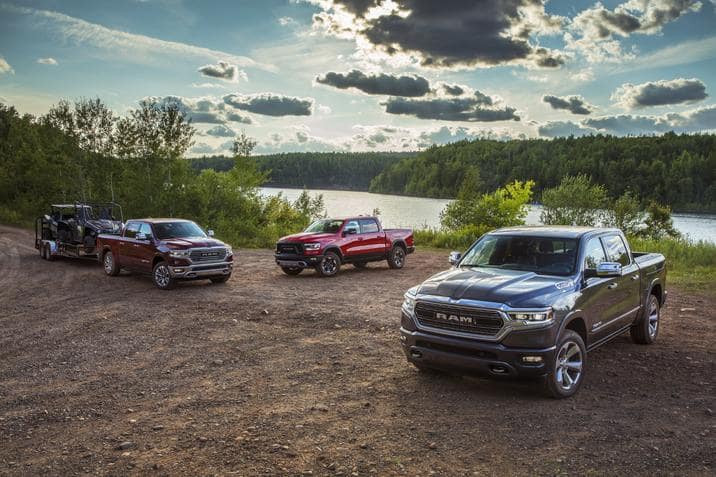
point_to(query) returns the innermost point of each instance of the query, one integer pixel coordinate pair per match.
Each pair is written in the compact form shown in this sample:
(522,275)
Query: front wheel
(162,276)
(566,377)
(110,266)
(220,278)
(329,266)
(647,327)
(396,258)
(292,271)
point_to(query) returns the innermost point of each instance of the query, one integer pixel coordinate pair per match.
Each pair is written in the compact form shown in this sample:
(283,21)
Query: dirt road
(277,375)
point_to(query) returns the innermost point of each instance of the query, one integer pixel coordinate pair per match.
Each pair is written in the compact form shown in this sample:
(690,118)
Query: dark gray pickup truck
(531,301)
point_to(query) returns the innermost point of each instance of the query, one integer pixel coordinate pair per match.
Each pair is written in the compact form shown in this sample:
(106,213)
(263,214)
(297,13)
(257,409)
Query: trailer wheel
(110,266)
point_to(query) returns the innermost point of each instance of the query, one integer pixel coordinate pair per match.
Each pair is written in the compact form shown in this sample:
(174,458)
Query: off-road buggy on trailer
(71,230)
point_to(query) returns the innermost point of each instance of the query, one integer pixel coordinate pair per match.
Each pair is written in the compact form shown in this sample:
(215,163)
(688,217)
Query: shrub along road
(280,375)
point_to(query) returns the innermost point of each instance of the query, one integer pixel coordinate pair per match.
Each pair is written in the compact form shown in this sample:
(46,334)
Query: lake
(417,212)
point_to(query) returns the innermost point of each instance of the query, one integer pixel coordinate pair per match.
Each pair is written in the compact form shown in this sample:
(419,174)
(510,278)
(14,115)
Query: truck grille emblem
(455,318)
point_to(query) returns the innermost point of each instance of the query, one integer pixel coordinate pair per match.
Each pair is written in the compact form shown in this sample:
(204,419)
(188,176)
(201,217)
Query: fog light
(532,359)
(178,270)
(402,339)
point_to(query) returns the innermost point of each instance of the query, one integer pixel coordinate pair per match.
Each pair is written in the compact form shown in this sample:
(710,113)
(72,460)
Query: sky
(372,75)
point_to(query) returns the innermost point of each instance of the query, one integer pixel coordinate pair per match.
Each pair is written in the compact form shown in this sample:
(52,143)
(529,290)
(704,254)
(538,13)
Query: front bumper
(468,356)
(201,270)
(297,261)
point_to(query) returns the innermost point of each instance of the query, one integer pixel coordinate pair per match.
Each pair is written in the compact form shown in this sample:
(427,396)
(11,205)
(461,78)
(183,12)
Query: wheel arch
(335,249)
(578,324)
(399,243)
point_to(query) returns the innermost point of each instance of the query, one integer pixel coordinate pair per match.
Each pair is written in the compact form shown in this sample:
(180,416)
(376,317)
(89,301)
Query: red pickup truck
(328,243)
(168,249)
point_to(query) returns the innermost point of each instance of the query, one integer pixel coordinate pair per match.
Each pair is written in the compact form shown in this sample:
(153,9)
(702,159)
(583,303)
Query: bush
(575,201)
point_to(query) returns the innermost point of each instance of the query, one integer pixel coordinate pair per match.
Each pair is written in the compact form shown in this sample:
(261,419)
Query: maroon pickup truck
(328,243)
(168,249)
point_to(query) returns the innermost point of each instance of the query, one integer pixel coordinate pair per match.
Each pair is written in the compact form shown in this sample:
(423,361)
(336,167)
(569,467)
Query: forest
(676,170)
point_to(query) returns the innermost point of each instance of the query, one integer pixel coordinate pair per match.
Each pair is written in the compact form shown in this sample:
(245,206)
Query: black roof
(560,231)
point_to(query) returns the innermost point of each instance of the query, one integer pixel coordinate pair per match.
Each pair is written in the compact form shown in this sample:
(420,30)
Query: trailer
(71,230)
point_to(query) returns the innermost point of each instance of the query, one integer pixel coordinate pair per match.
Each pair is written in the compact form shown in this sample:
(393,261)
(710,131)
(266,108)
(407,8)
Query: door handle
(612,286)
(135,245)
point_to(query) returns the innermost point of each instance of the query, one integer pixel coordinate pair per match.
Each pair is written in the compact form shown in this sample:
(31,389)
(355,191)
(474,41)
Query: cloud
(238,118)
(679,54)
(285,21)
(203,110)
(694,121)
(298,139)
(47,61)
(475,107)
(460,34)
(208,85)
(596,27)
(223,70)
(201,148)
(659,93)
(133,46)
(270,104)
(573,104)
(563,129)
(5,67)
(411,86)
(221,131)
(452,89)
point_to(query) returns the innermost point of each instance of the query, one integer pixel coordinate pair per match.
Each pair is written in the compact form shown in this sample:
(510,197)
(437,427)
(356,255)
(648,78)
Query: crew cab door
(127,254)
(374,244)
(144,248)
(625,289)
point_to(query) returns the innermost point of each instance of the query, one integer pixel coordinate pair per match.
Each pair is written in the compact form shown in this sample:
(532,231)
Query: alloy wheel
(398,257)
(568,369)
(653,317)
(328,265)
(108,263)
(162,276)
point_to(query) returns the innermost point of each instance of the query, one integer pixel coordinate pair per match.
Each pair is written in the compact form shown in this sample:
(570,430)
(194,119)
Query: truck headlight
(179,253)
(409,301)
(532,316)
(229,251)
(312,246)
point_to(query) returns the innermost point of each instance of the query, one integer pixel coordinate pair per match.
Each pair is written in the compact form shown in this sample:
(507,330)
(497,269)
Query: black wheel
(330,265)
(396,259)
(162,276)
(360,264)
(647,327)
(293,271)
(220,278)
(110,266)
(568,372)
(48,253)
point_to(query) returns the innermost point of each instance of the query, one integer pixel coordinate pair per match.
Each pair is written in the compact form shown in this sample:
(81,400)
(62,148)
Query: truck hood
(306,237)
(192,242)
(514,288)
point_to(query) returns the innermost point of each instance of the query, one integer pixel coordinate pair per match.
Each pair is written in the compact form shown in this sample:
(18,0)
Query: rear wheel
(647,327)
(110,266)
(566,377)
(220,278)
(396,259)
(360,264)
(293,271)
(330,265)
(162,276)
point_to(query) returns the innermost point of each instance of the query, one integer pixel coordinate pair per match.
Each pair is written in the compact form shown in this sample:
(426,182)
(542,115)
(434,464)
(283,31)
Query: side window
(594,254)
(145,229)
(352,225)
(616,250)
(368,226)
(131,230)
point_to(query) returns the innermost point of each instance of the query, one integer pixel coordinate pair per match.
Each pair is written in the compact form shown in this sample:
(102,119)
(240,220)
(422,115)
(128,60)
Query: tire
(110,265)
(162,276)
(360,264)
(396,258)
(646,329)
(330,265)
(220,278)
(292,271)
(567,374)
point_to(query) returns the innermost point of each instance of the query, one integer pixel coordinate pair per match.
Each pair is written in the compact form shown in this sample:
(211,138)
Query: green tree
(658,222)
(576,201)
(626,214)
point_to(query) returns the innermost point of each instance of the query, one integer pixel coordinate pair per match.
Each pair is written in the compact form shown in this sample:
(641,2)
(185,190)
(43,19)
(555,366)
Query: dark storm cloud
(411,86)
(467,108)
(221,70)
(449,33)
(270,104)
(573,104)
(659,93)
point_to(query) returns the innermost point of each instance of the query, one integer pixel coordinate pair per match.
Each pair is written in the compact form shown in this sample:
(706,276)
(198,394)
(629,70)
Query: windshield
(542,255)
(169,230)
(326,226)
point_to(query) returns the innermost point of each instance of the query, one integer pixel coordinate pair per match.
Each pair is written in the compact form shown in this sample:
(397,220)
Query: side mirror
(210,232)
(350,231)
(609,269)
(454,258)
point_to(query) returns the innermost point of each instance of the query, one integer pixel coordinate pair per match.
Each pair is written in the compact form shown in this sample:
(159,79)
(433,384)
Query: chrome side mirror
(210,232)
(609,269)
(454,258)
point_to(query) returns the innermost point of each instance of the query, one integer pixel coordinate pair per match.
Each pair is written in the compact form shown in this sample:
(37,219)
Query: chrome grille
(208,254)
(457,318)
